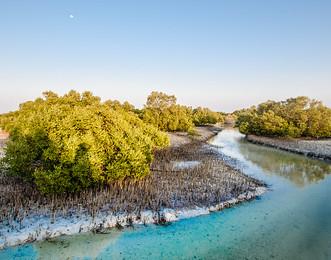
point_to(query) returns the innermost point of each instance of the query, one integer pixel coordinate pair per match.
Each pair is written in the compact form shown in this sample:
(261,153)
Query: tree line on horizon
(72,142)
(162,111)
(293,117)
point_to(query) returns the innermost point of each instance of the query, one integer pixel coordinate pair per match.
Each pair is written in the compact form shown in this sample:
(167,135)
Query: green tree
(294,117)
(319,121)
(69,143)
(205,116)
(162,111)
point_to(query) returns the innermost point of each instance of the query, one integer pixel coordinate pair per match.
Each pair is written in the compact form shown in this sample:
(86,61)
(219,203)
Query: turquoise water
(291,221)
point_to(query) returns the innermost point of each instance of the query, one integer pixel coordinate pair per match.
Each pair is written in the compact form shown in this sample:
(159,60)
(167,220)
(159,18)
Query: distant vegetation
(294,117)
(72,142)
(205,116)
(162,111)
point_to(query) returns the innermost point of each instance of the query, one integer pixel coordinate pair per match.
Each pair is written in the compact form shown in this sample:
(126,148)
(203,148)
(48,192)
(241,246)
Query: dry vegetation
(208,183)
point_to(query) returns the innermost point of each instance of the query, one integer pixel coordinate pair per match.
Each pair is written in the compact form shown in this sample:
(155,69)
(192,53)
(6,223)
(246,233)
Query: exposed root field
(204,184)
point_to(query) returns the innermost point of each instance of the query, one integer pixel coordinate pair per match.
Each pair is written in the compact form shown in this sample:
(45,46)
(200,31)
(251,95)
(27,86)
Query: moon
(71,16)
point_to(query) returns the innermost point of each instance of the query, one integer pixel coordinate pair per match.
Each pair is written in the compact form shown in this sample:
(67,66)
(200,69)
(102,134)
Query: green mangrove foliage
(162,111)
(294,117)
(126,106)
(72,142)
(7,119)
(205,116)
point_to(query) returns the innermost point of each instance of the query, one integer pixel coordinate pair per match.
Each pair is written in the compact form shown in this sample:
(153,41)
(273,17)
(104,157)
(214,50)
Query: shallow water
(291,221)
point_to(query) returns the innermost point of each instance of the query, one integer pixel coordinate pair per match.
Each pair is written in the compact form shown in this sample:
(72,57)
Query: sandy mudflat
(320,149)
(202,133)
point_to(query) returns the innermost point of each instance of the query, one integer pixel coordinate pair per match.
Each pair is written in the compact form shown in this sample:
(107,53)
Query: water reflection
(299,169)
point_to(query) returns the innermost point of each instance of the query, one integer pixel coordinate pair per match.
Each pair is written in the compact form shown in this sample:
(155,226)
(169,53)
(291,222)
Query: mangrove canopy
(72,142)
(294,117)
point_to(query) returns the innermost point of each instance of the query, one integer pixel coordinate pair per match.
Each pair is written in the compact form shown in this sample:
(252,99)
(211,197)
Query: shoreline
(41,225)
(76,224)
(318,149)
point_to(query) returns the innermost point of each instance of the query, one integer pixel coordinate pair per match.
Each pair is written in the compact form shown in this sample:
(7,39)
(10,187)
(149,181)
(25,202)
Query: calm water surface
(291,221)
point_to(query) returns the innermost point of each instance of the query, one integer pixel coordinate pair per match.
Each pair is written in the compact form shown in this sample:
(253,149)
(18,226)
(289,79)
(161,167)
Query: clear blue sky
(220,54)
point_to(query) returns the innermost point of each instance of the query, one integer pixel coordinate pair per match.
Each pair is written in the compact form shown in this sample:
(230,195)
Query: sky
(222,54)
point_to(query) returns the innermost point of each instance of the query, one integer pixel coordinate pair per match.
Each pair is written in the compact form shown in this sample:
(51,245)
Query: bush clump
(294,117)
(162,111)
(205,116)
(72,142)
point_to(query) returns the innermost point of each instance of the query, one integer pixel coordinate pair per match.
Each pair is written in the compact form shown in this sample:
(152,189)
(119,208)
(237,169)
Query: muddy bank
(187,179)
(202,133)
(320,149)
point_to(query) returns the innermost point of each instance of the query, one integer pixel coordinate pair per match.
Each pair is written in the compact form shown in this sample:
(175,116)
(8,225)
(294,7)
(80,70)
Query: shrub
(69,143)
(162,111)
(295,117)
(205,116)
